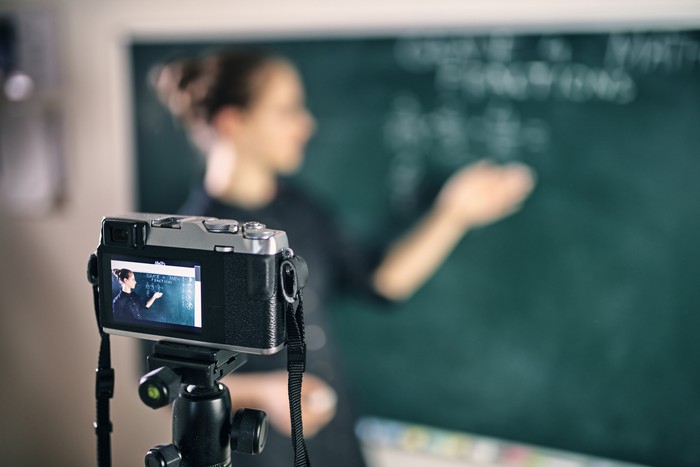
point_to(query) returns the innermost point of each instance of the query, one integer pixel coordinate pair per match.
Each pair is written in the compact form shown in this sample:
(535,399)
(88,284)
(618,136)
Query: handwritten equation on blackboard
(178,301)
(492,96)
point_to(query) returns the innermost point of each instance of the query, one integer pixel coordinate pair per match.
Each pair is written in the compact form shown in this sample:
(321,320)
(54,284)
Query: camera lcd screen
(157,293)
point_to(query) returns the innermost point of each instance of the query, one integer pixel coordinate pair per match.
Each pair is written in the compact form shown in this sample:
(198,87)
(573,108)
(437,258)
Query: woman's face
(130,281)
(274,130)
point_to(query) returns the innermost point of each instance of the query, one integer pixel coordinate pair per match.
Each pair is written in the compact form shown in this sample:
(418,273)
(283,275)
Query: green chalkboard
(572,324)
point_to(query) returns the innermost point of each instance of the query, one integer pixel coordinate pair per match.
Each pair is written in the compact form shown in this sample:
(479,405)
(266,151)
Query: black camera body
(195,280)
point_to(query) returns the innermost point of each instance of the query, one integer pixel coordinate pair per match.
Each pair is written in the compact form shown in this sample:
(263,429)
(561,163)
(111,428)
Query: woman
(246,112)
(127,305)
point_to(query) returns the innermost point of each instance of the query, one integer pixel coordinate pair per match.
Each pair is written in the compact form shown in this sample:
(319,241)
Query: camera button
(258,234)
(221,226)
(223,249)
(172,222)
(253,225)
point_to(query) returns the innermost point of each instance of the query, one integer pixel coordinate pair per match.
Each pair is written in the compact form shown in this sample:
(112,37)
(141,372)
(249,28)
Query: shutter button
(253,225)
(257,231)
(258,234)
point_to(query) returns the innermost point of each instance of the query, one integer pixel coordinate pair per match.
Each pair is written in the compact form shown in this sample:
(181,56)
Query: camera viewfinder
(129,234)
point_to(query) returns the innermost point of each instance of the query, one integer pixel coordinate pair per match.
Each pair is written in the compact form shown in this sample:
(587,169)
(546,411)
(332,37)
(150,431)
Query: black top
(127,306)
(335,263)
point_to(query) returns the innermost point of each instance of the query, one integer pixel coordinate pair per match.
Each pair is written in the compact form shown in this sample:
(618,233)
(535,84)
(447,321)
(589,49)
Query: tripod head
(204,429)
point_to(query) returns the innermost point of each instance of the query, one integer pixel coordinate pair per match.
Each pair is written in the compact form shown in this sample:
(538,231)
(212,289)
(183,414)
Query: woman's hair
(122,274)
(196,89)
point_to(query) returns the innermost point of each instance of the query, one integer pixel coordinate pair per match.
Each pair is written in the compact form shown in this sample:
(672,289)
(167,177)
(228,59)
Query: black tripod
(204,430)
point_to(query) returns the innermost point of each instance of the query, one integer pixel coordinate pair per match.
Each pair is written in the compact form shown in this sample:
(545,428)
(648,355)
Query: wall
(49,340)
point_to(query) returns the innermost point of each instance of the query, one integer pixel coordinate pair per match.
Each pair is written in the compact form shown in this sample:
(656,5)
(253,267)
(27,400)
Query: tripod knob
(249,431)
(163,455)
(159,387)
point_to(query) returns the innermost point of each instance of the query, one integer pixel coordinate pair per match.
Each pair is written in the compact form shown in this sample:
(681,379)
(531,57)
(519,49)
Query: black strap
(104,378)
(296,365)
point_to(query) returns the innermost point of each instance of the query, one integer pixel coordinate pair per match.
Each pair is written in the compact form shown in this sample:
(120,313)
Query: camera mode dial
(221,226)
(170,222)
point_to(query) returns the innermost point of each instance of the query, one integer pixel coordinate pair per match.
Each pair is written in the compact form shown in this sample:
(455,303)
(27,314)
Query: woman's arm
(476,195)
(153,298)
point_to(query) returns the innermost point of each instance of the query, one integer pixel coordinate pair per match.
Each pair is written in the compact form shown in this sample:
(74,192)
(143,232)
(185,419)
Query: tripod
(204,430)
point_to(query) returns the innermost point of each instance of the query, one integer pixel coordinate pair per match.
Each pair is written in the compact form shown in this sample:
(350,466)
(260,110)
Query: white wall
(49,341)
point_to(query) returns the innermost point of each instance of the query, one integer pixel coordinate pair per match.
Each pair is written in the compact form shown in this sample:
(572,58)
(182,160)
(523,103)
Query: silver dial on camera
(258,234)
(257,231)
(221,225)
(253,225)
(170,222)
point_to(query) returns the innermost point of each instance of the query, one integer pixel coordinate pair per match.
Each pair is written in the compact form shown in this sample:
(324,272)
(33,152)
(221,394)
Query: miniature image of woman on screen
(127,306)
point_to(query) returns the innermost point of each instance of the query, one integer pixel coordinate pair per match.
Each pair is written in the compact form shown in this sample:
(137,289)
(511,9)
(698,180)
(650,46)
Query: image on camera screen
(156,292)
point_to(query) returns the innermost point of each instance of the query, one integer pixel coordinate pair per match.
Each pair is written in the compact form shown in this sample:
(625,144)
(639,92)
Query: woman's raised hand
(484,192)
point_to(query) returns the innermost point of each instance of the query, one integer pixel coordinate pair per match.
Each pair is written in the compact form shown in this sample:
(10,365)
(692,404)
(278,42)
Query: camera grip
(252,303)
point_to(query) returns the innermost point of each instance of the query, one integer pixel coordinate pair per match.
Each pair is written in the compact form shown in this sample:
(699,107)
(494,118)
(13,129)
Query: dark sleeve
(353,263)
(124,308)
(117,309)
(196,204)
(135,306)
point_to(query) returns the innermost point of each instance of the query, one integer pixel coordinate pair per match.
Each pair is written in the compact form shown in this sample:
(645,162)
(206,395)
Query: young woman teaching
(128,306)
(245,111)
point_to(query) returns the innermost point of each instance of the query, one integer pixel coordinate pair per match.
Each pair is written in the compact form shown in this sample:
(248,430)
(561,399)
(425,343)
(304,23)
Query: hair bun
(174,83)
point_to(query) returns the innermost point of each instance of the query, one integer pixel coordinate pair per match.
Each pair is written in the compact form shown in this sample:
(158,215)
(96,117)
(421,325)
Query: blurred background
(570,326)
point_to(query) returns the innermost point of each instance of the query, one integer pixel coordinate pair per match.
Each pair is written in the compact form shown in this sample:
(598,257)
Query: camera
(200,281)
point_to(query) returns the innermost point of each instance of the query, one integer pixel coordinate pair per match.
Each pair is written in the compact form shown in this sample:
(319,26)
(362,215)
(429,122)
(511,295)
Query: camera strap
(296,365)
(104,377)
(294,274)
